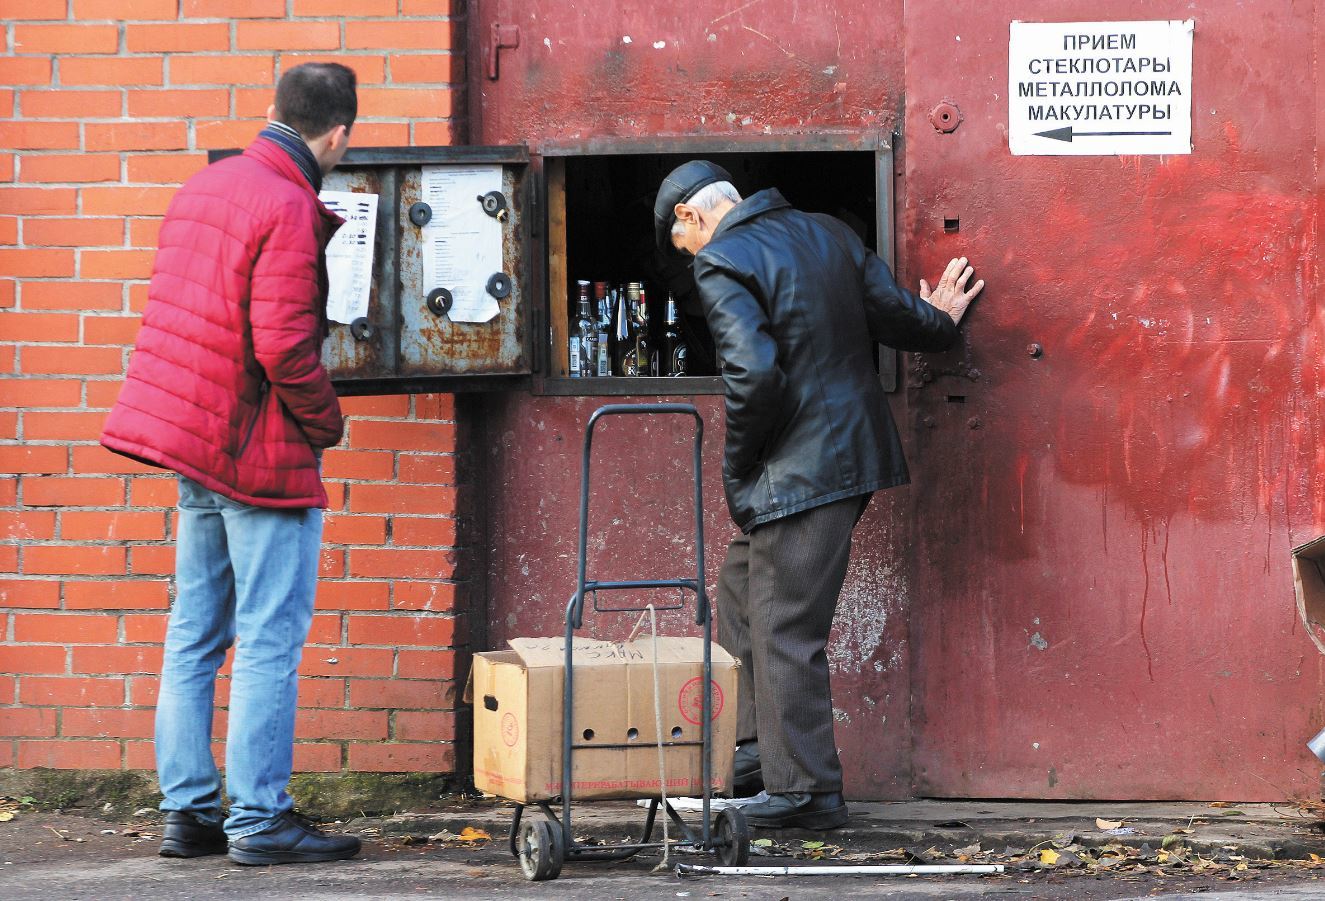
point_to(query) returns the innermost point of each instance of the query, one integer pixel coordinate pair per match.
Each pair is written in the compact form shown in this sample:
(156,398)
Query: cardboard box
(517,698)
(1309,579)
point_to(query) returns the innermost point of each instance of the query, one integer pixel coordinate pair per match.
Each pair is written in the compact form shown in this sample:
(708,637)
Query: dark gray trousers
(777,594)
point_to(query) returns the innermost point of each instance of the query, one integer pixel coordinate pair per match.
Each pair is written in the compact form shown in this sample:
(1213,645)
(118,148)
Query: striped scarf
(293,143)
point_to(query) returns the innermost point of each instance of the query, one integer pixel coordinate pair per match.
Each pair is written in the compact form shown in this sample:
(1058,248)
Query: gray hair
(705,199)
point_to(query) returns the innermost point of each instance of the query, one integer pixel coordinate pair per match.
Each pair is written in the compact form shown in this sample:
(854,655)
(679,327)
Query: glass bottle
(603,317)
(625,336)
(645,360)
(675,352)
(587,330)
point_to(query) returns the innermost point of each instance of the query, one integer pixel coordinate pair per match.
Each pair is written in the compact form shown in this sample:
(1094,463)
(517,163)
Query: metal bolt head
(1035,350)
(945,117)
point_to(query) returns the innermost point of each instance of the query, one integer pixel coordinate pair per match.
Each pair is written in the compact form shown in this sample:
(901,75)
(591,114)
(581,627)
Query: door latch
(502,37)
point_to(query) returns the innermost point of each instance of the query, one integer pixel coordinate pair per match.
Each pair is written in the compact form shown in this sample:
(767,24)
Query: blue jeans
(246,572)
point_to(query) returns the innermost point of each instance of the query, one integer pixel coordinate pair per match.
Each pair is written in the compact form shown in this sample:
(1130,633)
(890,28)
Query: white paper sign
(1095,88)
(350,254)
(462,245)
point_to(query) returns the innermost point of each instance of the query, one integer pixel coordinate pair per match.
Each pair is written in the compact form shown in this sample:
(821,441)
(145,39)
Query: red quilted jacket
(225,385)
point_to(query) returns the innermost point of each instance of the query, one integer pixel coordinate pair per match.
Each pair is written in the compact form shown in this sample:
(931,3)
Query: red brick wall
(106,108)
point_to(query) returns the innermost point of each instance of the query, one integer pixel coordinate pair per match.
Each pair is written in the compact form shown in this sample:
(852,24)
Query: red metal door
(598,71)
(1110,473)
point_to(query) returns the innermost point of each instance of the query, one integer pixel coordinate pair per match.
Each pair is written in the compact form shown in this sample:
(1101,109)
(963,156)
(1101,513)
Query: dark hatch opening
(609,237)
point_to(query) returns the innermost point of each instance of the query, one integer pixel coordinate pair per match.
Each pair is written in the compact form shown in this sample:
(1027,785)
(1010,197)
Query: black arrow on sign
(1067,134)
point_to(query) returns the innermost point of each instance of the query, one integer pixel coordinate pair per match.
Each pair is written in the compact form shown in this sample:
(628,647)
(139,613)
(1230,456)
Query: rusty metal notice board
(429,277)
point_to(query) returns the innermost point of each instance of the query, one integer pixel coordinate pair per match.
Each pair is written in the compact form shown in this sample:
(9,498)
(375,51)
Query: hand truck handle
(575,608)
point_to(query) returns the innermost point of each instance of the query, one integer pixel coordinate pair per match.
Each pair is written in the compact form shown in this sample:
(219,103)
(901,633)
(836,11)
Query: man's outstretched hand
(951,294)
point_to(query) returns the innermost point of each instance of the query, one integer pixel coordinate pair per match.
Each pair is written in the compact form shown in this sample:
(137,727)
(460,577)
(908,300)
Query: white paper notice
(350,254)
(462,245)
(1095,88)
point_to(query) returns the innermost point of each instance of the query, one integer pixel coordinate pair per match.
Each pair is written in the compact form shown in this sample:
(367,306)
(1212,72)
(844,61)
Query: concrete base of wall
(331,795)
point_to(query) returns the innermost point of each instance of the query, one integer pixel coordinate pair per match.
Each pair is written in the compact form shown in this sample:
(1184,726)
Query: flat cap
(682,183)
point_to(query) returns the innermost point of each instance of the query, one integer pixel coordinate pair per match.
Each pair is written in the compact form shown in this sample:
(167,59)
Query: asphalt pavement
(1051,851)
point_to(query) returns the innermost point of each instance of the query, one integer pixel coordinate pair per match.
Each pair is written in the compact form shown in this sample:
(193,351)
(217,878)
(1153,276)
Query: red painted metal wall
(1086,591)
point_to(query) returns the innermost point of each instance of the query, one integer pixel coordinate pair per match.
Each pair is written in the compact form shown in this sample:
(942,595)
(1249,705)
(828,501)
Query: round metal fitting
(1035,350)
(494,204)
(974,423)
(362,329)
(439,301)
(946,117)
(499,286)
(420,214)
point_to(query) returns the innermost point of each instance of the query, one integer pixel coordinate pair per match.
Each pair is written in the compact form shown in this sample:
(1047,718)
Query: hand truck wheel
(542,850)
(731,838)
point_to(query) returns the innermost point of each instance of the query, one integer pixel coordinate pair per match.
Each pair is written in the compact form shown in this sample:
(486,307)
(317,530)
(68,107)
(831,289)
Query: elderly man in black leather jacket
(795,303)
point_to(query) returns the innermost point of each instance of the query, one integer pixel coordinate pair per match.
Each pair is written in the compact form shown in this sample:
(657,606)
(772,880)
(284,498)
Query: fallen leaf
(763,842)
(6,816)
(1108,824)
(470,834)
(1048,857)
(1171,840)
(812,846)
(1162,857)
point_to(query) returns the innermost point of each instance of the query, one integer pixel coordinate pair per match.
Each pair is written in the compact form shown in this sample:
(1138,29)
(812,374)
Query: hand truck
(543,845)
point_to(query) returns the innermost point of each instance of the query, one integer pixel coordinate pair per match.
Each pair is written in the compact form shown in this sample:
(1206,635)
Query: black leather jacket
(796,303)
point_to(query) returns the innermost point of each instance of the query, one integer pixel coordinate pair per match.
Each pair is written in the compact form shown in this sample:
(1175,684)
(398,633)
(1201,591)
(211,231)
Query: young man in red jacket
(226,388)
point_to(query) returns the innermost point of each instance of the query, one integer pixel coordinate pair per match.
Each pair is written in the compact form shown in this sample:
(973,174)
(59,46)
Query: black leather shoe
(804,810)
(187,836)
(748,778)
(292,839)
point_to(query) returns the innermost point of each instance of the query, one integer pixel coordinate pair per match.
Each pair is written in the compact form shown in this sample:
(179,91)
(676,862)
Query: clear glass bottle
(626,363)
(603,317)
(587,330)
(646,360)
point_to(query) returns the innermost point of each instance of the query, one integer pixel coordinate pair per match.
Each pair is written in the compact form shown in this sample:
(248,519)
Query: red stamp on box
(691,700)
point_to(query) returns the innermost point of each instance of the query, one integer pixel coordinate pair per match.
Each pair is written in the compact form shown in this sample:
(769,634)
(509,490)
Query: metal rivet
(1034,350)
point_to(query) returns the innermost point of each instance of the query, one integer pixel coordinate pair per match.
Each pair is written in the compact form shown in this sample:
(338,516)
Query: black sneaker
(187,836)
(804,810)
(292,839)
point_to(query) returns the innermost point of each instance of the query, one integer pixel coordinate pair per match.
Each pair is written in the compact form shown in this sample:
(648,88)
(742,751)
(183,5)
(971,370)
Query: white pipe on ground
(686,869)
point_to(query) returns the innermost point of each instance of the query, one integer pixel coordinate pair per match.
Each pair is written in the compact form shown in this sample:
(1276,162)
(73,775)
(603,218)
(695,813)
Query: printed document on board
(350,254)
(462,245)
